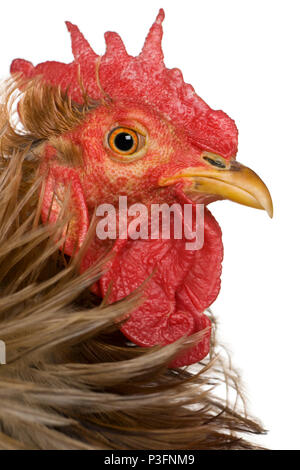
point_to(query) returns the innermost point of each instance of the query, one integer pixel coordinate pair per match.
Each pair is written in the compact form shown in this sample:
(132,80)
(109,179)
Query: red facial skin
(182,283)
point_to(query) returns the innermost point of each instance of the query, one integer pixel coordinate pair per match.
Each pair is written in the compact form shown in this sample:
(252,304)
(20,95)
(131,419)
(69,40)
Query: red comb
(141,79)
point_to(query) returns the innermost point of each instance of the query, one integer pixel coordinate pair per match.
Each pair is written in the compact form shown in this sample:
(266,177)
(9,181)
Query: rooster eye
(125,141)
(215,162)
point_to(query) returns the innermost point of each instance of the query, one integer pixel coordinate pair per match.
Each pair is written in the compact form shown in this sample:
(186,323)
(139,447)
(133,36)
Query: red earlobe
(63,186)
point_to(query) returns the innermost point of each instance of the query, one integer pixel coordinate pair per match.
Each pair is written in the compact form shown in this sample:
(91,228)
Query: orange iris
(123,141)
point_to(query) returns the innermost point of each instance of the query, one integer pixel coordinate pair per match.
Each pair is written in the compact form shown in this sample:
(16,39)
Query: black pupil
(124,141)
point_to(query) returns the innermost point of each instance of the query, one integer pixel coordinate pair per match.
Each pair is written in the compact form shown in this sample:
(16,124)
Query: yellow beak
(236,183)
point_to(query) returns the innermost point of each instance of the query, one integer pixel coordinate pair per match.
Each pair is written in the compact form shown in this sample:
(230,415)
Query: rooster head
(142,132)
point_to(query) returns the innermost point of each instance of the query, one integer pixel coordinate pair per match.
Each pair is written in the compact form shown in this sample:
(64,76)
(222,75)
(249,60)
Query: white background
(242,57)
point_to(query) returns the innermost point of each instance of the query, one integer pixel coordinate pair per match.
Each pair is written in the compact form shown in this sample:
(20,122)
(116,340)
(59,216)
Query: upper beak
(236,183)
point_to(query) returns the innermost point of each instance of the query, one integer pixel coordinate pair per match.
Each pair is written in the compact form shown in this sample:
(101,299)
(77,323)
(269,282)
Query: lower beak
(237,183)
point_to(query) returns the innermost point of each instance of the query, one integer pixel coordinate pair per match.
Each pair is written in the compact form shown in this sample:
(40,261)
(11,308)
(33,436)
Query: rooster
(128,126)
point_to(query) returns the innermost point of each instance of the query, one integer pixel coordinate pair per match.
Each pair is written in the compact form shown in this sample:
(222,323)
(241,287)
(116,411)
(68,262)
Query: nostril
(217,163)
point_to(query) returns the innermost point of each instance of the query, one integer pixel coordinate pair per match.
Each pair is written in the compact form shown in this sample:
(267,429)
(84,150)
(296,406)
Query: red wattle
(180,284)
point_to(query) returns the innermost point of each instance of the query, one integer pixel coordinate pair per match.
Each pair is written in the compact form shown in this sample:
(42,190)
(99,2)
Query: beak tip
(268,206)
(269,209)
